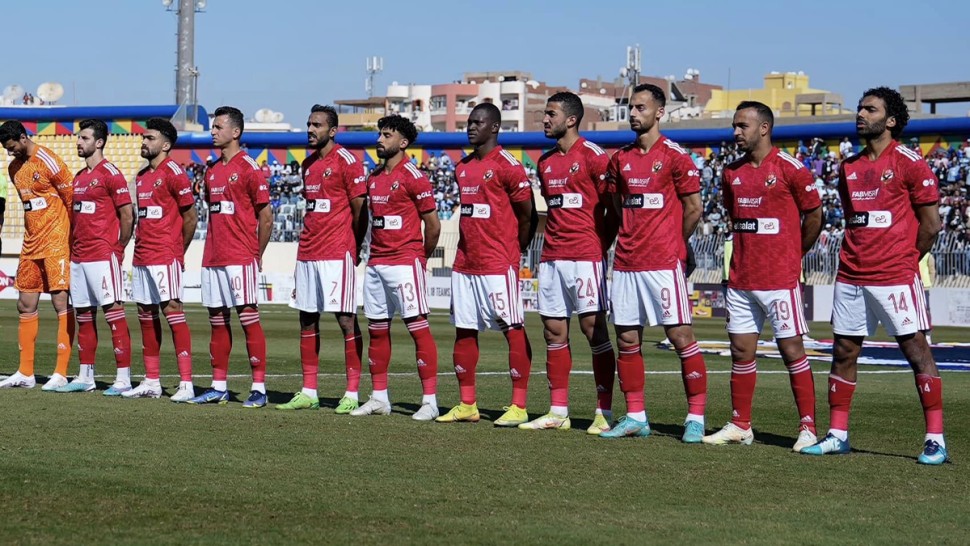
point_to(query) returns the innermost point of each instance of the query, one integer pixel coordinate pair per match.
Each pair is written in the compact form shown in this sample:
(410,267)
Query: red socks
(520,363)
(466,360)
(255,343)
(559,362)
(120,337)
(182,340)
(693,371)
(743,378)
(220,346)
(426,354)
(310,355)
(87,337)
(840,401)
(151,342)
(931,397)
(803,387)
(631,373)
(379,353)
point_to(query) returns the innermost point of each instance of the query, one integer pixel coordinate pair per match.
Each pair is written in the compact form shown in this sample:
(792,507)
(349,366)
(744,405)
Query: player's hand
(691,264)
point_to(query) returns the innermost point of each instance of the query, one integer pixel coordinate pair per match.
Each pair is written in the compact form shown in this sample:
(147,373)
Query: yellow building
(788,94)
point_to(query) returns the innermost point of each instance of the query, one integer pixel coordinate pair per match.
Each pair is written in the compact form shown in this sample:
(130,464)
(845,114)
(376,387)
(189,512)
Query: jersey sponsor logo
(693,173)
(387,222)
(120,191)
(151,213)
(557,182)
(476,211)
(810,187)
(736,181)
(572,200)
(470,190)
(771,180)
(627,167)
(379,199)
(554,202)
(749,202)
(316,187)
(462,175)
(852,176)
(35,204)
(318,205)
(145,195)
(644,201)
(760,226)
(864,195)
(928,182)
(880,219)
(548,170)
(424,195)
(574,168)
(222,207)
(657,165)
(184,191)
(638,182)
(85,207)
(887,175)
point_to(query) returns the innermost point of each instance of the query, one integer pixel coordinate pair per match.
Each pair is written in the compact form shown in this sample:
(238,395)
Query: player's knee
(680,336)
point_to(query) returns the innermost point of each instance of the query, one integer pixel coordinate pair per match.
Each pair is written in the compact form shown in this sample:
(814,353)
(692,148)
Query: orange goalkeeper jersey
(44,184)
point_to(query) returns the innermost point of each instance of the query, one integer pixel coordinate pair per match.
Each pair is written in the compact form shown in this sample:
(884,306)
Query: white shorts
(858,310)
(326,286)
(230,285)
(567,287)
(654,297)
(95,284)
(395,288)
(747,309)
(155,284)
(479,302)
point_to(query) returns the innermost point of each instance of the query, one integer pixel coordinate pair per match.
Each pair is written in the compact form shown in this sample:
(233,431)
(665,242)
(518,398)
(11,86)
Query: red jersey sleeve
(181,188)
(597,166)
(258,187)
(921,183)
(118,187)
(802,188)
(354,180)
(613,173)
(686,178)
(516,182)
(422,195)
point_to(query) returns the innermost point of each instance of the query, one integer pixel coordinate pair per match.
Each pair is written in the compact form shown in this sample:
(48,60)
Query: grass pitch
(81,468)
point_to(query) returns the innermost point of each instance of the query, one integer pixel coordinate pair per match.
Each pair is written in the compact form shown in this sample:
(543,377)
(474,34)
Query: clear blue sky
(288,54)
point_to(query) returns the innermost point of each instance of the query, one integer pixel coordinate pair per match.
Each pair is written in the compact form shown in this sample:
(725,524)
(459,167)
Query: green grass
(86,469)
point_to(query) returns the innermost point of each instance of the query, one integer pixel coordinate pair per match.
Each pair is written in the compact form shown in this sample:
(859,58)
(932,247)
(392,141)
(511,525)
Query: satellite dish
(264,115)
(50,92)
(277,117)
(13,92)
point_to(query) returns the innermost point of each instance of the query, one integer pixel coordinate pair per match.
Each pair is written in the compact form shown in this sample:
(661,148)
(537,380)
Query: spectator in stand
(845,148)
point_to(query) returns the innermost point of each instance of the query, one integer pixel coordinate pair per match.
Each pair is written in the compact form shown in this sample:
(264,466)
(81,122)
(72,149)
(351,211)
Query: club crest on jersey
(771,180)
(887,175)
(657,165)
(233,177)
(328,172)
(395,186)
(574,168)
(488,175)
(158,183)
(36,176)
(94,183)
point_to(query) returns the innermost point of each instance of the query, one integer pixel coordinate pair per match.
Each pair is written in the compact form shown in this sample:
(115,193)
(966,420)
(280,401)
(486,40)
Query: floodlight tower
(186,73)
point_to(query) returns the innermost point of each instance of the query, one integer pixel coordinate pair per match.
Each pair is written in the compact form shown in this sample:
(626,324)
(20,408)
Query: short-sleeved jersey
(650,186)
(234,191)
(161,193)
(878,197)
(765,204)
(330,183)
(44,184)
(488,240)
(574,185)
(98,194)
(398,197)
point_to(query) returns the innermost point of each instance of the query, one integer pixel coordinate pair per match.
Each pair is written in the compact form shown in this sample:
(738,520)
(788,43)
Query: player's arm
(692,213)
(930,225)
(264,215)
(190,219)
(63,184)
(524,212)
(432,230)
(811,228)
(126,220)
(358,208)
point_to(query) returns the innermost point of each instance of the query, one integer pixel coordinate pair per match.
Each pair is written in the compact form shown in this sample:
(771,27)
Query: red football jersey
(765,205)
(98,194)
(650,186)
(878,197)
(233,190)
(488,241)
(398,198)
(330,183)
(573,185)
(161,193)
